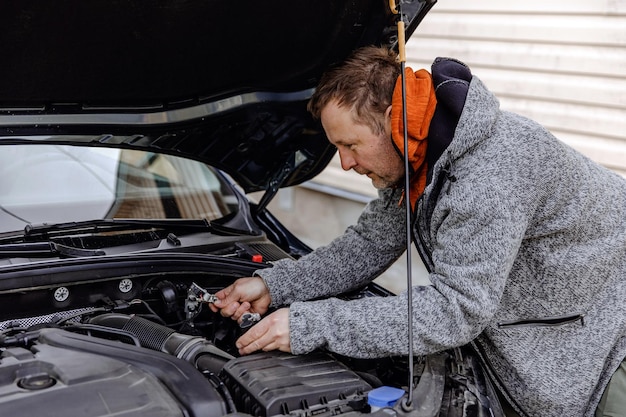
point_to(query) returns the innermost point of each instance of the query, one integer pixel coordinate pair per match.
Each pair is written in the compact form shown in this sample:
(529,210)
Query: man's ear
(388,112)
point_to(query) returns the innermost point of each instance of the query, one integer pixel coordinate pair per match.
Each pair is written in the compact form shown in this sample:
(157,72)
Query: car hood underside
(222,82)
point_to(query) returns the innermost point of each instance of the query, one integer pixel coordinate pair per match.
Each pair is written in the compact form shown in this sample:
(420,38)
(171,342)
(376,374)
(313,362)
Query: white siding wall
(559,62)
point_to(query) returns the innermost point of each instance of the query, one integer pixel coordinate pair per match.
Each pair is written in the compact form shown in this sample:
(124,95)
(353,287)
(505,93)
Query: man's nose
(347,161)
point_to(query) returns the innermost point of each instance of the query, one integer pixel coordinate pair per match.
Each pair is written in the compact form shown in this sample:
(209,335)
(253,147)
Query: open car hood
(224,82)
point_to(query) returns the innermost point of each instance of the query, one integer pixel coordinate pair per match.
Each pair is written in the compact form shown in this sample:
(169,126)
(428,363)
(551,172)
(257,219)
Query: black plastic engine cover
(86,367)
(272,383)
(47,381)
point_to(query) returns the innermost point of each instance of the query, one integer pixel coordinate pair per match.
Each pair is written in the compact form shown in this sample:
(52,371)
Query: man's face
(361,149)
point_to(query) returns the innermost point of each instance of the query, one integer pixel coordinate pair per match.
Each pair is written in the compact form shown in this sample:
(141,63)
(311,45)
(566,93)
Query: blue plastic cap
(384,396)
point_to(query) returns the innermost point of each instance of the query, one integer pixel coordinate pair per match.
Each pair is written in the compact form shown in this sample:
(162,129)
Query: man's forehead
(338,103)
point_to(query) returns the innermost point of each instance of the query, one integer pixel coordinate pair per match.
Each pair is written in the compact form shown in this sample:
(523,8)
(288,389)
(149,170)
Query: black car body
(130,132)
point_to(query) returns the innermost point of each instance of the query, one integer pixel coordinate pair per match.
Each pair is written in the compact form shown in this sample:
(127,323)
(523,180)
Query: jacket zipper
(544,321)
(495,379)
(418,238)
(424,204)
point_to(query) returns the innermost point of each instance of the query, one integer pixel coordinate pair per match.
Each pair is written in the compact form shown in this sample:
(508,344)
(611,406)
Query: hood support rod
(292,163)
(409,279)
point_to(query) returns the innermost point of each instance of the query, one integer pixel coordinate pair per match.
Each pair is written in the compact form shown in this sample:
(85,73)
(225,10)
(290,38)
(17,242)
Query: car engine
(96,342)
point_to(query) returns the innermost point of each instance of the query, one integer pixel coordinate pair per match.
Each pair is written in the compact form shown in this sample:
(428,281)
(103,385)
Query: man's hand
(271,333)
(245,294)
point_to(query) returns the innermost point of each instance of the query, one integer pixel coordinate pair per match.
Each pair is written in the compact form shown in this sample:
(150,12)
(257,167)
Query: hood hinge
(276,182)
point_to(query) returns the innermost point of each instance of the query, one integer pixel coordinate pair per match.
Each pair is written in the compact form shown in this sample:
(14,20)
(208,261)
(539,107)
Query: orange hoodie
(420,105)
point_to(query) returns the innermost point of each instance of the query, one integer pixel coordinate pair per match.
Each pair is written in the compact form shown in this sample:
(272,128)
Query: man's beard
(381,183)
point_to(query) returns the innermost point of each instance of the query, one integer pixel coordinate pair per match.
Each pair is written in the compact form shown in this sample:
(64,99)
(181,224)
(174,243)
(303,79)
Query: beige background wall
(560,62)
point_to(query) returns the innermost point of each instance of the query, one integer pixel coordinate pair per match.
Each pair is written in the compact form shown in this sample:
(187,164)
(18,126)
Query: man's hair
(364,82)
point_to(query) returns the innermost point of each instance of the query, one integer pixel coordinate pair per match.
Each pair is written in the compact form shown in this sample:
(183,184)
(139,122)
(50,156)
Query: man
(524,239)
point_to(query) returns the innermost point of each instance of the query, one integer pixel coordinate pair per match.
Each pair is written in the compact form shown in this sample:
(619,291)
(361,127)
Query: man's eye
(347,146)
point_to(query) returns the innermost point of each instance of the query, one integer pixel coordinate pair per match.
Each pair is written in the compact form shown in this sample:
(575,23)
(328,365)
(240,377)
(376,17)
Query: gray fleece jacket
(525,241)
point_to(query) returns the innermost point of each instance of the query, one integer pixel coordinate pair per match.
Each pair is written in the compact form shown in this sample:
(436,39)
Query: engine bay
(143,344)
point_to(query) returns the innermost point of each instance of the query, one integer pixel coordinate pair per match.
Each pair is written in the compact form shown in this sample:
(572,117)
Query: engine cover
(272,383)
(110,379)
(48,381)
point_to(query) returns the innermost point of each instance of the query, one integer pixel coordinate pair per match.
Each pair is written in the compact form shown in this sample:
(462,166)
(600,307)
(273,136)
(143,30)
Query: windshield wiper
(44,250)
(108,225)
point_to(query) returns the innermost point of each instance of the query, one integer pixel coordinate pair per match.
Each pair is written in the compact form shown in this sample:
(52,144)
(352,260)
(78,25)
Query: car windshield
(57,183)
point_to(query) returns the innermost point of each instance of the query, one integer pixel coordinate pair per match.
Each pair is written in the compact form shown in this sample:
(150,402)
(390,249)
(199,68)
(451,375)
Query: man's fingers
(272,346)
(254,339)
(223,298)
(229,309)
(255,333)
(267,342)
(271,333)
(243,308)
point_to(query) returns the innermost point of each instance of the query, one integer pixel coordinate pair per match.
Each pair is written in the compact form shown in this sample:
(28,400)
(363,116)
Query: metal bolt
(125,285)
(61,294)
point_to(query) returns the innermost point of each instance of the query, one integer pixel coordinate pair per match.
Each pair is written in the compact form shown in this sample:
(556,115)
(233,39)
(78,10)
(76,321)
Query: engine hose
(219,385)
(194,349)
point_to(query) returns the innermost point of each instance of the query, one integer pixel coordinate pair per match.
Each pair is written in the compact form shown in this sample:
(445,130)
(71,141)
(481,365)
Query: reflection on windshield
(53,184)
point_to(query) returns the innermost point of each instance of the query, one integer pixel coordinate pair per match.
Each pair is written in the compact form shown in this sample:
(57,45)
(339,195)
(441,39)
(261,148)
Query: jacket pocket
(544,321)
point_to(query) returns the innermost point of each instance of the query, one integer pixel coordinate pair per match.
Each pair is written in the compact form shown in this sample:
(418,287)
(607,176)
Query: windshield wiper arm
(45,249)
(107,225)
